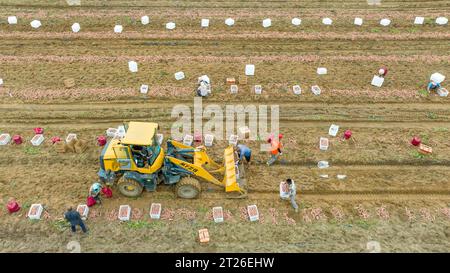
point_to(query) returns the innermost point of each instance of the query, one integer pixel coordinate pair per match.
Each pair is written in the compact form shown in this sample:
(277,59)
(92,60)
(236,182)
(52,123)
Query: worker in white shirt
(292,193)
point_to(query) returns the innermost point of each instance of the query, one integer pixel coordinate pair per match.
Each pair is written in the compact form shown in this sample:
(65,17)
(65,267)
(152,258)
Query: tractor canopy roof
(140,133)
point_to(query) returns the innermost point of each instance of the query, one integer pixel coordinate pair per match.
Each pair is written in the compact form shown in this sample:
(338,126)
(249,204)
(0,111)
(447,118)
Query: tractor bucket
(231,173)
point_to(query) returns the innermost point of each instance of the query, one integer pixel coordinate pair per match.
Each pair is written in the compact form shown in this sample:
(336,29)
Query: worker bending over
(275,150)
(244,152)
(94,192)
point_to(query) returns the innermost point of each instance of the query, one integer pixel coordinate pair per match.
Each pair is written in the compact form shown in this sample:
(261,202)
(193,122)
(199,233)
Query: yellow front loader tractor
(137,162)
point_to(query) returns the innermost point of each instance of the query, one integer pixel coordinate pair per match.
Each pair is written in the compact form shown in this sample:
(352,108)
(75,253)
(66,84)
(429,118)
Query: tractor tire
(129,187)
(188,188)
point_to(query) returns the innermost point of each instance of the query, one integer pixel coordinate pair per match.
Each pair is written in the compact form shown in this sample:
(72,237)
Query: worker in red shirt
(275,150)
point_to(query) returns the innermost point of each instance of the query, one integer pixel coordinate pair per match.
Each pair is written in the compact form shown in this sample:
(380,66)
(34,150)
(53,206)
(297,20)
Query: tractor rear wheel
(188,188)
(129,187)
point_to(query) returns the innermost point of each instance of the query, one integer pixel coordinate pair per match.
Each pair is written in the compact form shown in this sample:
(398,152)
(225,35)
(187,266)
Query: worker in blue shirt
(433,86)
(244,152)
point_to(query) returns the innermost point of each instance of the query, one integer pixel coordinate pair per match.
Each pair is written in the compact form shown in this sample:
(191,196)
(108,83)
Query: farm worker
(292,193)
(95,190)
(75,220)
(382,72)
(433,86)
(244,152)
(275,150)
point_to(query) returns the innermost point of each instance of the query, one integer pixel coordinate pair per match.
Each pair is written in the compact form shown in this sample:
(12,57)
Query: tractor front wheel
(188,188)
(129,187)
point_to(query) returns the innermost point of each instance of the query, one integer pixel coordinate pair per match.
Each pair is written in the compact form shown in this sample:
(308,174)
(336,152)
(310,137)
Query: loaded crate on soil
(358,21)
(71,137)
(12,20)
(231,81)
(284,190)
(297,89)
(203,235)
(204,23)
(155,211)
(316,90)
(118,29)
(218,214)
(188,139)
(83,210)
(233,89)
(111,132)
(144,89)
(253,213)
(5,139)
(424,149)
(323,143)
(258,89)
(35,212)
(37,140)
(145,20)
(209,139)
(124,213)
(233,140)
(442,92)
(333,130)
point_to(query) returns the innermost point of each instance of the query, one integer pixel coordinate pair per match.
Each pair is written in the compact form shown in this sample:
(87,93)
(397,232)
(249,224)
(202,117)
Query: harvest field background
(392,194)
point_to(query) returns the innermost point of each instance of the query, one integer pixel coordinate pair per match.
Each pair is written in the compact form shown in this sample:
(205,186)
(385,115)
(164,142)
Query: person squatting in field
(244,152)
(75,220)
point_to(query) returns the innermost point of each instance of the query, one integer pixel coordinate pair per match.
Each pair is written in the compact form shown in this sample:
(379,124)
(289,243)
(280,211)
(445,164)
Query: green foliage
(375,30)
(423,93)
(141,224)
(432,115)
(60,225)
(31,150)
(417,155)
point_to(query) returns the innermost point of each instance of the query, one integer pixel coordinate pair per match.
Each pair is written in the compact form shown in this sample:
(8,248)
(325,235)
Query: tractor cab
(138,153)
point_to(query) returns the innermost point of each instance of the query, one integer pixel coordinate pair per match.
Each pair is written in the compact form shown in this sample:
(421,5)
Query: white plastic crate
(323,143)
(12,20)
(145,20)
(133,66)
(377,81)
(76,27)
(83,210)
(5,139)
(327,21)
(70,137)
(323,164)
(124,213)
(316,90)
(267,22)
(250,70)
(233,89)
(322,71)
(120,132)
(229,22)
(171,25)
(358,21)
(441,21)
(35,212)
(253,213)
(118,28)
(333,130)
(233,140)
(35,24)
(419,20)
(111,132)
(297,89)
(385,22)
(218,214)
(258,89)
(188,139)
(341,176)
(296,21)
(155,211)
(204,23)
(209,139)
(244,132)
(442,92)
(160,138)
(144,89)
(1,81)
(37,140)
(284,190)
(179,75)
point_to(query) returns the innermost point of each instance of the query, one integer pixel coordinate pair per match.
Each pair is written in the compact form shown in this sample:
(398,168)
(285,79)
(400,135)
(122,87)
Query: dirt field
(391,194)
